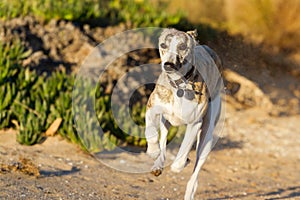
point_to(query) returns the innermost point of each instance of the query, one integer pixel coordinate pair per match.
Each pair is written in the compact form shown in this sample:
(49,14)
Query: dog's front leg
(192,130)
(152,119)
(159,162)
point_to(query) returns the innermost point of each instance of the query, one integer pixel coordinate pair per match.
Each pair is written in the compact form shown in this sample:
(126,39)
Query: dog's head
(176,50)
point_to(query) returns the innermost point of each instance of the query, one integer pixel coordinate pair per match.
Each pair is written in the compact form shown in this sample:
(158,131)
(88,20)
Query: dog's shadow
(222,144)
(59,172)
(228,143)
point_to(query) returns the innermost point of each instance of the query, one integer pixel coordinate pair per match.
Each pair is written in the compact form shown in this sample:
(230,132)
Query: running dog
(187,92)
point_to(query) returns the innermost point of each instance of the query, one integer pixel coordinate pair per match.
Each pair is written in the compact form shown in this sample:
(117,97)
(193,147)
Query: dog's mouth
(170,70)
(171,67)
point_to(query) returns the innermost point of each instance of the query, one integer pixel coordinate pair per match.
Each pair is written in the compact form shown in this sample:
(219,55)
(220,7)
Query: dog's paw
(178,166)
(156,171)
(176,169)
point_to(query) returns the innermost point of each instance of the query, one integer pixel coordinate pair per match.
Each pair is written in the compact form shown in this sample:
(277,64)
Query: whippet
(187,92)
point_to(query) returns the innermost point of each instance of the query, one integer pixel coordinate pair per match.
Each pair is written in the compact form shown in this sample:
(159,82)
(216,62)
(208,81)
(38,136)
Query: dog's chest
(186,109)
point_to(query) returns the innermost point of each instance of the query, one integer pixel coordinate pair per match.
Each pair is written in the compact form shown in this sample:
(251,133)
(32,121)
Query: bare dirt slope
(257,158)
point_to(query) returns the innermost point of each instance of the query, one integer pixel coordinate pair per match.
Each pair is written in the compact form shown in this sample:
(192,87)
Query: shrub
(139,13)
(34,101)
(10,70)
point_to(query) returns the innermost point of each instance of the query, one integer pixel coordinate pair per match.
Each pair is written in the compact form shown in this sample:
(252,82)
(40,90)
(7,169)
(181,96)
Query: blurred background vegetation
(31,101)
(275,22)
(138,12)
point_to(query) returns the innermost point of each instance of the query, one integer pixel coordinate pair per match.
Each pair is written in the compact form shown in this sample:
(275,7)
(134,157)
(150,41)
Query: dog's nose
(168,66)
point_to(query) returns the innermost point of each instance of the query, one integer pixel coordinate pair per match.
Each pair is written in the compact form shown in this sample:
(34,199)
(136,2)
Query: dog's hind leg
(192,130)
(159,162)
(193,182)
(204,144)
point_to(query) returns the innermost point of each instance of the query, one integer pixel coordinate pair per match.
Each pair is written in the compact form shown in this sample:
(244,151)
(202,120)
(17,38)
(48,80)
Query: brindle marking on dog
(150,102)
(200,91)
(164,94)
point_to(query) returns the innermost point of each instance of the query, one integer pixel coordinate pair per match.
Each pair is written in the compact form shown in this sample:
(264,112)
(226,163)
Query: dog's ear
(193,33)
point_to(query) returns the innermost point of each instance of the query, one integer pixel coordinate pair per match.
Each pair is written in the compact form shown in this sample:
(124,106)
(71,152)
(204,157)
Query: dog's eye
(163,45)
(182,46)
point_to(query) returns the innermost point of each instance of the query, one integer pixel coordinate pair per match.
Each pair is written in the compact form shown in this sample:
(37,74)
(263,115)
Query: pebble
(122,161)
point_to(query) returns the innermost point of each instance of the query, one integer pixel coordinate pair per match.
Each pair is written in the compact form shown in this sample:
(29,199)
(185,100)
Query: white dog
(187,92)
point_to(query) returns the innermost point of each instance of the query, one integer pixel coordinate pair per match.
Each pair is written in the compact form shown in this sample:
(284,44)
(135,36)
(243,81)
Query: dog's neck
(188,85)
(183,80)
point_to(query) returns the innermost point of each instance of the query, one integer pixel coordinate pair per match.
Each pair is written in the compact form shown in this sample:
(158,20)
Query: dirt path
(257,158)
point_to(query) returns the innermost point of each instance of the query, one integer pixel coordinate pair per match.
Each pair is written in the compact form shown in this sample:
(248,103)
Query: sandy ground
(257,158)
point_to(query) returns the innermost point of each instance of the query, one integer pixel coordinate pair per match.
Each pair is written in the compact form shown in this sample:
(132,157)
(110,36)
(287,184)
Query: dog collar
(189,74)
(186,77)
(176,84)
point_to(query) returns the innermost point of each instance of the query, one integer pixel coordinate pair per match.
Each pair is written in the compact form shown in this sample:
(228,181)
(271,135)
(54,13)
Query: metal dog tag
(180,92)
(189,95)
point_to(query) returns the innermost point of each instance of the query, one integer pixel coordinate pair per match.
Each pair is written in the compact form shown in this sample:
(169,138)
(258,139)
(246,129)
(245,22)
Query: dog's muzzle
(169,67)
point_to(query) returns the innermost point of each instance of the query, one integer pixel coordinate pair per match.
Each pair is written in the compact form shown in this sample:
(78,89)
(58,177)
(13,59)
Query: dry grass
(275,22)
(24,165)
